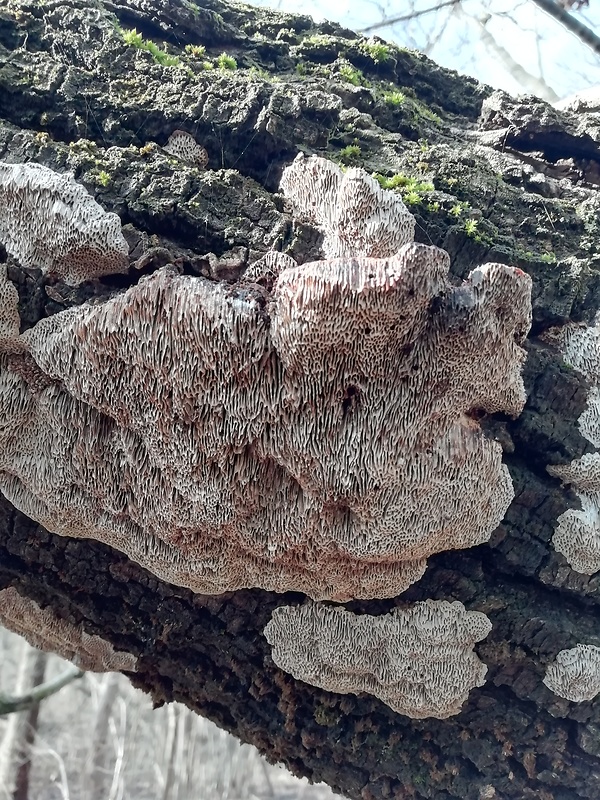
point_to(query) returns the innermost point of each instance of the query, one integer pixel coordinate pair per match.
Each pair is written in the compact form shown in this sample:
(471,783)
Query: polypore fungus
(357,217)
(577,535)
(50,222)
(10,320)
(327,448)
(266,270)
(575,674)
(327,443)
(419,661)
(46,631)
(182,145)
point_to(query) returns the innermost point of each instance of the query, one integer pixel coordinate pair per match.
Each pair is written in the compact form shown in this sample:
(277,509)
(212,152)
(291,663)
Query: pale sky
(533,40)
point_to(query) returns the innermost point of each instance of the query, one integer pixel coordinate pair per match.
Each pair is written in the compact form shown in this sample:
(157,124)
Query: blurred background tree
(540,47)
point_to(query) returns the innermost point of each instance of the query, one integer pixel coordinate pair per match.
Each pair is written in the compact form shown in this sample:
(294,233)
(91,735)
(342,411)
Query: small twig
(385,23)
(8,705)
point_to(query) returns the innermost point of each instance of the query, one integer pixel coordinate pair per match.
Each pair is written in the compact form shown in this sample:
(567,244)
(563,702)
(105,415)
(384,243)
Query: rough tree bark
(75,96)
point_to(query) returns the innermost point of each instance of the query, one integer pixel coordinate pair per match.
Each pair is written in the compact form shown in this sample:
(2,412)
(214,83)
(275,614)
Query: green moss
(413,190)
(135,39)
(548,258)
(471,226)
(225,61)
(378,51)
(426,113)
(400,181)
(394,98)
(412,198)
(103,178)
(195,50)
(351,74)
(350,154)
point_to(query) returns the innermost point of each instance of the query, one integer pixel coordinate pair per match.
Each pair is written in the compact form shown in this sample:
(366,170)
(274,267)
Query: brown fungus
(48,632)
(50,222)
(419,661)
(327,447)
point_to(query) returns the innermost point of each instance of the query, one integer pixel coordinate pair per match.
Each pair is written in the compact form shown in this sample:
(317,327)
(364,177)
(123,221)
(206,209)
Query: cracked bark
(74,96)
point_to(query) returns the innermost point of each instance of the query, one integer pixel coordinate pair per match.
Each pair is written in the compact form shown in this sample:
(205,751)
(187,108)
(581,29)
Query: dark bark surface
(75,96)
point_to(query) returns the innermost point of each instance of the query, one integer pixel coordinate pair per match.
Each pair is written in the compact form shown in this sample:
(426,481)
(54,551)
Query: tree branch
(386,23)
(570,23)
(9,705)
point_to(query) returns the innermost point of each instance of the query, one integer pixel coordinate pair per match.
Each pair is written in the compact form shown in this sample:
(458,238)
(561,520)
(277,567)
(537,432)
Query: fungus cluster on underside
(50,222)
(575,673)
(9,310)
(182,145)
(45,630)
(419,661)
(327,449)
(577,535)
(327,443)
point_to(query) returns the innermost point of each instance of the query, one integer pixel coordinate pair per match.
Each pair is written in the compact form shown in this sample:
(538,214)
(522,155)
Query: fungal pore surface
(575,673)
(9,311)
(43,629)
(327,443)
(50,222)
(182,145)
(419,661)
(577,535)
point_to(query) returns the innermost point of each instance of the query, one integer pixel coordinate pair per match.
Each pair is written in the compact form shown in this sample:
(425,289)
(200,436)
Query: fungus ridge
(43,629)
(221,447)
(50,222)
(575,673)
(419,661)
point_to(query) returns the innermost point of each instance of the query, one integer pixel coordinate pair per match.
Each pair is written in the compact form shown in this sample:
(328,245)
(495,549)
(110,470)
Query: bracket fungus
(326,449)
(46,631)
(577,535)
(357,217)
(419,661)
(182,145)
(575,674)
(50,222)
(9,311)
(325,443)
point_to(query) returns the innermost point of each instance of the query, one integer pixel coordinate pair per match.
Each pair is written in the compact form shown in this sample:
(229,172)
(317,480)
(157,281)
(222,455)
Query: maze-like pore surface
(50,222)
(420,661)
(327,445)
(43,629)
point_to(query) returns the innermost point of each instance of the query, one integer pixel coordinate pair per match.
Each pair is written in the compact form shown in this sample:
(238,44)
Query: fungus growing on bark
(357,217)
(577,535)
(575,674)
(50,222)
(9,311)
(328,448)
(419,661)
(182,145)
(48,632)
(266,270)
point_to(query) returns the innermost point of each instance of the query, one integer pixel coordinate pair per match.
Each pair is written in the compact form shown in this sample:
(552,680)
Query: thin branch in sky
(385,23)
(570,23)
